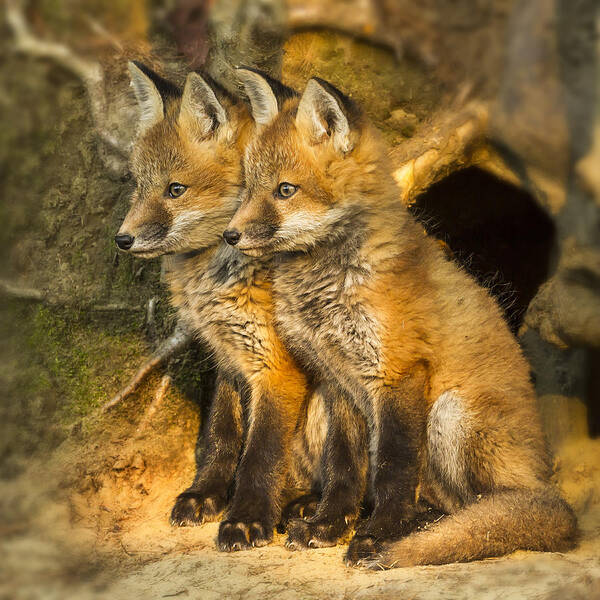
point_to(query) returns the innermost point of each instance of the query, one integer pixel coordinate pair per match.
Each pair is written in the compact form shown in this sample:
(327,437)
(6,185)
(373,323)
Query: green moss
(28,401)
(58,365)
(81,357)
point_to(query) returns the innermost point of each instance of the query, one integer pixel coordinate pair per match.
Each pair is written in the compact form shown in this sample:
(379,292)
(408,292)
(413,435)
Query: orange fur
(197,141)
(420,346)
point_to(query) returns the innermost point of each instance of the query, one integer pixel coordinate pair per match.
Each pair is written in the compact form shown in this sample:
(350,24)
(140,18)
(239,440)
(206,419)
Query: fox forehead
(277,151)
(158,153)
(167,155)
(281,154)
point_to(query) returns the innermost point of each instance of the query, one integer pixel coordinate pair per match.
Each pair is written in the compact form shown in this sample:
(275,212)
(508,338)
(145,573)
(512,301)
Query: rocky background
(492,112)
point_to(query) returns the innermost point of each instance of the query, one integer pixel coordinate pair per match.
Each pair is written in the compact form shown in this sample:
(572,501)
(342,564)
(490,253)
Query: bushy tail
(496,525)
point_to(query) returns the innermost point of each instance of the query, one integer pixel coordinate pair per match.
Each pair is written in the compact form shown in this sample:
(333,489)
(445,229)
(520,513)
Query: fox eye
(176,189)
(286,190)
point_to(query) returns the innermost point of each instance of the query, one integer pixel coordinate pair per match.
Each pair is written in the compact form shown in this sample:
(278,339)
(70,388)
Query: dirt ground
(91,521)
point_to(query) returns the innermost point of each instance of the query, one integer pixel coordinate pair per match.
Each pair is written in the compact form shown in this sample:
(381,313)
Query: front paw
(239,535)
(363,551)
(194,508)
(315,532)
(303,507)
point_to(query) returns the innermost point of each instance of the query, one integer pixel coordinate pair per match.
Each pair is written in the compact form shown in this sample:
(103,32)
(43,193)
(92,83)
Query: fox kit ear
(320,116)
(200,110)
(261,95)
(148,97)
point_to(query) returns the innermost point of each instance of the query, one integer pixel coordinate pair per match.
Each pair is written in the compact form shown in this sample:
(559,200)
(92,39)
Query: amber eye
(176,189)
(286,190)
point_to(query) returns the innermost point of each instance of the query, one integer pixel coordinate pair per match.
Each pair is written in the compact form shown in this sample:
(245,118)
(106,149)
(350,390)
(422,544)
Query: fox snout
(232,236)
(253,226)
(144,230)
(124,241)
(253,235)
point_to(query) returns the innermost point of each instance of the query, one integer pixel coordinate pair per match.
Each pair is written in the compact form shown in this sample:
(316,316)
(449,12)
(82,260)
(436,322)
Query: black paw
(236,535)
(385,526)
(194,508)
(316,532)
(303,507)
(363,550)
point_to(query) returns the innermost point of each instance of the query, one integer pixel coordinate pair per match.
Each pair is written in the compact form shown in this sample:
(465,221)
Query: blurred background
(491,109)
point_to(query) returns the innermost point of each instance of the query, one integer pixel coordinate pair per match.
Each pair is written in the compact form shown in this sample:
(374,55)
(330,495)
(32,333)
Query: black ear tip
(165,88)
(318,82)
(248,69)
(321,82)
(139,64)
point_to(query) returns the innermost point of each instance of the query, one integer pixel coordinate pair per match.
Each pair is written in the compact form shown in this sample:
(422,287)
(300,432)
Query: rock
(138,462)
(588,168)
(566,309)
(403,121)
(120,464)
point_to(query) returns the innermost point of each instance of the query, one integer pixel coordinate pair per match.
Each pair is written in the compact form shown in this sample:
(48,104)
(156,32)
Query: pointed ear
(261,95)
(148,97)
(200,110)
(320,116)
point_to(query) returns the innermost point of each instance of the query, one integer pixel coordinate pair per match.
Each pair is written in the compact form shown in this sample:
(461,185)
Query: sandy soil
(91,521)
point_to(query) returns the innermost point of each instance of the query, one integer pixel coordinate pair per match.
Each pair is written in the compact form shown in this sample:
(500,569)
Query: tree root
(587,167)
(14,290)
(159,396)
(7,288)
(176,342)
(89,72)
(452,142)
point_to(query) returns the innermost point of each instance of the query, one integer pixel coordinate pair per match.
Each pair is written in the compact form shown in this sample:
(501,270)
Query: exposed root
(88,71)
(587,167)
(14,290)
(159,396)
(114,306)
(151,317)
(101,31)
(449,144)
(176,342)
(8,288)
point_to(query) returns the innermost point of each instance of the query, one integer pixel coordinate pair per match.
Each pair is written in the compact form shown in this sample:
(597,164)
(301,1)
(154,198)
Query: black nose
(232,236)
(124,241)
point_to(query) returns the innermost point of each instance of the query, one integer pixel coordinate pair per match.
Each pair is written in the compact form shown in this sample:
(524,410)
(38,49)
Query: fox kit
(369,302)
(265,427)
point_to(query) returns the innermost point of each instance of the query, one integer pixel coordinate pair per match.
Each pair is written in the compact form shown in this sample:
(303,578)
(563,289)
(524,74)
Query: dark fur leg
(344,473)
(302,507)
(254,509)
(206,498)
(399,431)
